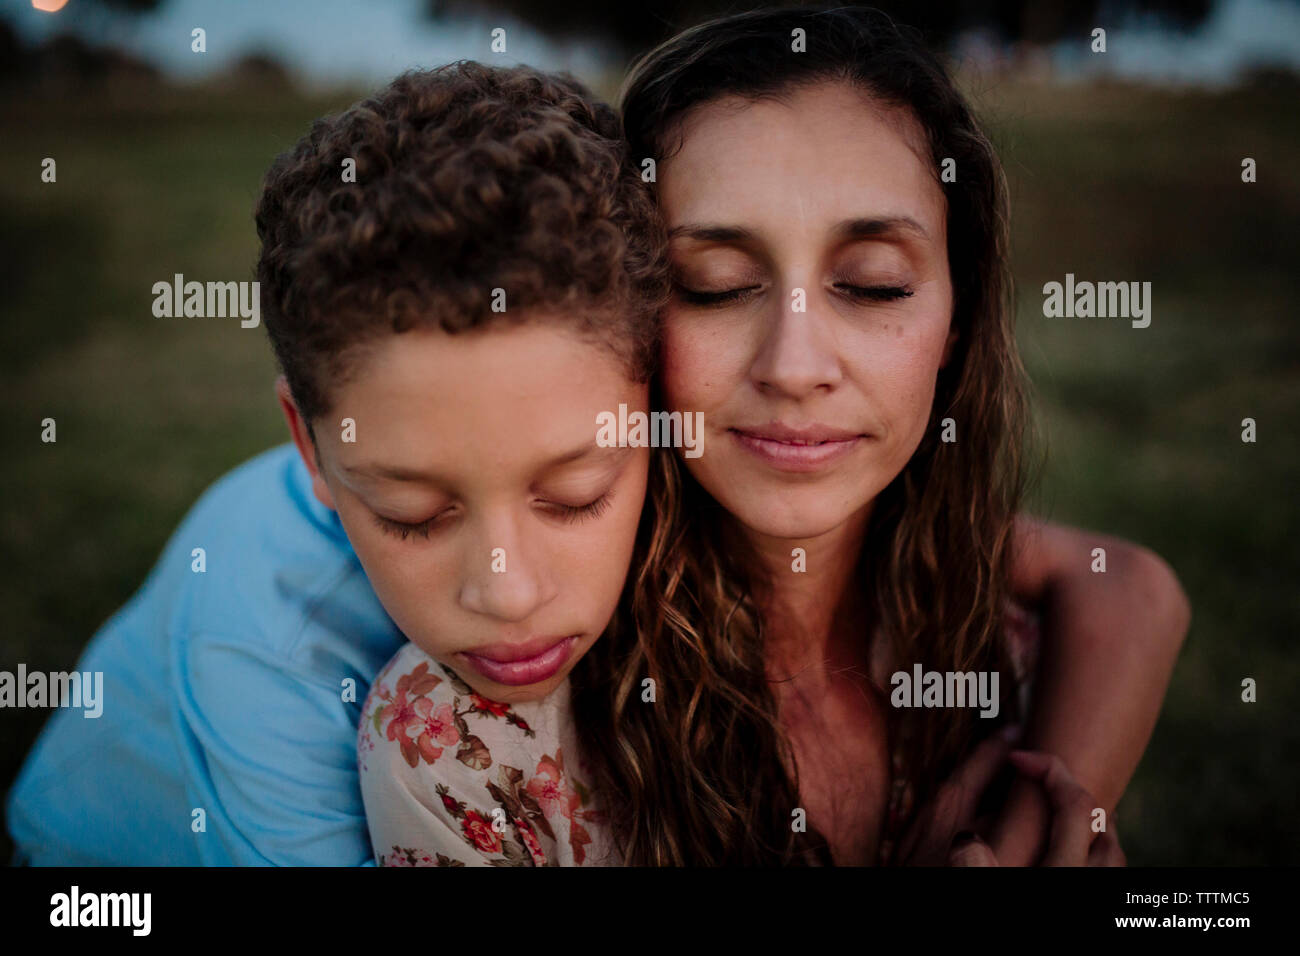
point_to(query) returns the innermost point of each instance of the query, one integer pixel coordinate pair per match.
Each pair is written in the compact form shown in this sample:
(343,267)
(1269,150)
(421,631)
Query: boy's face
(493,528)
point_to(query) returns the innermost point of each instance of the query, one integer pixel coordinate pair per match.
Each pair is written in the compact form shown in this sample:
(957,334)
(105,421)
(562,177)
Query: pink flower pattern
(491,812)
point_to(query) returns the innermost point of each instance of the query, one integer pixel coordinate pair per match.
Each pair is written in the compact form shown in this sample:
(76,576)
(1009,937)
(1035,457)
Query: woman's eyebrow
(860,227)
(710,232)
(882,227)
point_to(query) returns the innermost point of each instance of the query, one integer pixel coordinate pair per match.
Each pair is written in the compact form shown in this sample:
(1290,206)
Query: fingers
(1106,850)
(971,851)
(1072,834)
(953,805)
(973,777)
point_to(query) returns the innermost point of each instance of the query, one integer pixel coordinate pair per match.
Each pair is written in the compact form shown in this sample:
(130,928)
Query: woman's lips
(796,449)
(516,665)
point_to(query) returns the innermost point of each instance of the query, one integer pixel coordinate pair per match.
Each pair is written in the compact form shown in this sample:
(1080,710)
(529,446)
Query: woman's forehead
(846,100)
(826,153)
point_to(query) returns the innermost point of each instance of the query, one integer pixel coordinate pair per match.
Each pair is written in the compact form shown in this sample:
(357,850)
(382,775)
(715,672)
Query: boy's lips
(528,662)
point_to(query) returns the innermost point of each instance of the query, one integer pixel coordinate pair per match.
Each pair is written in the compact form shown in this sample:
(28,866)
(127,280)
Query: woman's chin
(799,516)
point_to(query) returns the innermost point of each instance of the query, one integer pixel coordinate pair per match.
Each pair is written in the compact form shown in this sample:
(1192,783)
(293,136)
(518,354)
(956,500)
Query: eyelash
(691,297)
(573,514)
(403,530)
(875,293)
(879,293)
(570,514)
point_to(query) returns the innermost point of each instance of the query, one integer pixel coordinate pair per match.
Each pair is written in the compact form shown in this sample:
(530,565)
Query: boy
(231,696)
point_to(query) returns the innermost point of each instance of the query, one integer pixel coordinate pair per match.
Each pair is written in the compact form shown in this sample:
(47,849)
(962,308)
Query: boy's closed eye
(569,513)
(576,486)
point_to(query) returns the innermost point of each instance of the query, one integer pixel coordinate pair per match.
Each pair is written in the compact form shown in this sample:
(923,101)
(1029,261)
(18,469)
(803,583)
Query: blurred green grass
(1143,425)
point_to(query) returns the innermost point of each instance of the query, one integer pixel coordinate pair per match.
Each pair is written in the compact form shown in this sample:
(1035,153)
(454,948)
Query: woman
(841,318)
(837,307)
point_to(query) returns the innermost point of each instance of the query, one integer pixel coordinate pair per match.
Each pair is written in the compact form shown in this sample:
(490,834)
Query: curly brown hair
(469,179)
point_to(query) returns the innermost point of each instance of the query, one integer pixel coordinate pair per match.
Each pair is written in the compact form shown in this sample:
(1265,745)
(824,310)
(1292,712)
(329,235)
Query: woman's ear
(303,439)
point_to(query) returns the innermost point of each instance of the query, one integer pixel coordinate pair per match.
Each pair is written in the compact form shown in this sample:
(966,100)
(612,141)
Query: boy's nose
(503,583)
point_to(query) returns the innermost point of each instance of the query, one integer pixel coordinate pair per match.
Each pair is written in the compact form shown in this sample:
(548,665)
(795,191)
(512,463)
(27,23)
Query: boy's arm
(1109,642)
(269,756)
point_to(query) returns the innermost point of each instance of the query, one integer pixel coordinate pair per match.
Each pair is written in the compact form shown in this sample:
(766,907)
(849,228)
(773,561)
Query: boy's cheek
(405,585)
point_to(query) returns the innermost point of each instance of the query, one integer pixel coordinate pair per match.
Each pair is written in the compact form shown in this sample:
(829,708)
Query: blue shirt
(225,691)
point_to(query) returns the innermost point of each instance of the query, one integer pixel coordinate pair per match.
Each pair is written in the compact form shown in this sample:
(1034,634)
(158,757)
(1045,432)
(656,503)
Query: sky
(334,42)
(1236,35)
(324,41)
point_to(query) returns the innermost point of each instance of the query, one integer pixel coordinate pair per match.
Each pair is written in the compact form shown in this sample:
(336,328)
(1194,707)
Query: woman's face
(812,301)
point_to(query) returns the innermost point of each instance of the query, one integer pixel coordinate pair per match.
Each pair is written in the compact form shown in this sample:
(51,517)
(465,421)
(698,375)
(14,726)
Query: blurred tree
(635,26)
(13,56)
(131,6)
(260,72)
(66,63)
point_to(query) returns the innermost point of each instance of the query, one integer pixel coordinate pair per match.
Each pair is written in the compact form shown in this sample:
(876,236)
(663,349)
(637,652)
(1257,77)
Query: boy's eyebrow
(388,472)
(398,473)
(610,452)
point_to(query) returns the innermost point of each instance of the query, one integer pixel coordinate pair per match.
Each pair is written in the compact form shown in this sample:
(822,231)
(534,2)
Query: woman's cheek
(693,372)
(915,393)
(679,369)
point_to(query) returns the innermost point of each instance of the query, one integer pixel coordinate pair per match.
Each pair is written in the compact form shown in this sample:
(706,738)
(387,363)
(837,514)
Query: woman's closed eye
(874,293)
(702,297)
(858,293)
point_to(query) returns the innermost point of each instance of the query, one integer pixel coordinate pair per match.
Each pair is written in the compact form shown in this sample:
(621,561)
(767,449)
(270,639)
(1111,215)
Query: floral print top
(450,778)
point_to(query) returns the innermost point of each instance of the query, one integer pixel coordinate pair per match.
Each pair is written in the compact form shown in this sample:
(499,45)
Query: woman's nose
(797,354)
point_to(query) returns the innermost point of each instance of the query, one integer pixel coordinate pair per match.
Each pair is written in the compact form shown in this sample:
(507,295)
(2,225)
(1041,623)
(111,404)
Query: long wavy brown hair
(704,774)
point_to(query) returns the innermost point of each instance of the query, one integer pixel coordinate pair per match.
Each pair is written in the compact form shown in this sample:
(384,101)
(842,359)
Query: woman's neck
(814,617)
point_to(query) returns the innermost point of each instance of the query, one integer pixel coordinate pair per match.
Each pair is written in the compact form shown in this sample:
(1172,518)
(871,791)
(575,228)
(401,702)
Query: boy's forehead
(590,453)
(511,397)
(482,366)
